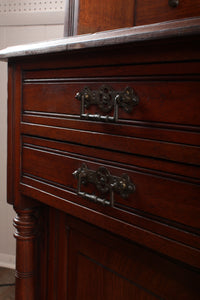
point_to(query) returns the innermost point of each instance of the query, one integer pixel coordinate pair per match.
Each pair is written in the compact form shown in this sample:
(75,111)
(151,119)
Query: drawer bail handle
(107,100)
(105,183)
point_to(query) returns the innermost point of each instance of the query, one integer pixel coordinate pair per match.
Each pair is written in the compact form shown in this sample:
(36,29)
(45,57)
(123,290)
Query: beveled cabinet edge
(158,31)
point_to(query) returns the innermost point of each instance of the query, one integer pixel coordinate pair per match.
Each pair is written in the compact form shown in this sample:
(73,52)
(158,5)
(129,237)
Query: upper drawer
(164,101)
(156,11)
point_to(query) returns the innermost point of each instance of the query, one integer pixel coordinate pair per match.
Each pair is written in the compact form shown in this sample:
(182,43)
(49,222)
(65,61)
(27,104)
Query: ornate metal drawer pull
(105,184)
(107,99)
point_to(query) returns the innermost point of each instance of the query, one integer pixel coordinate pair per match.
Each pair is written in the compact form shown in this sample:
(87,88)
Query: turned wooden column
(25,223)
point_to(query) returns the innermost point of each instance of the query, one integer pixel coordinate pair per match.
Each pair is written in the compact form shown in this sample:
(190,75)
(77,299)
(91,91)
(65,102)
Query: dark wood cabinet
(103,164)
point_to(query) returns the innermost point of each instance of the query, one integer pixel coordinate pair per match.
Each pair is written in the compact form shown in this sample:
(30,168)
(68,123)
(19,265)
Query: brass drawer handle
(105,183)
(107,99)
(173,3)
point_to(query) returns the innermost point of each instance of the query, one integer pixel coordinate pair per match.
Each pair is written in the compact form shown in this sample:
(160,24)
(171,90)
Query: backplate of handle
(107,99)
(105,183)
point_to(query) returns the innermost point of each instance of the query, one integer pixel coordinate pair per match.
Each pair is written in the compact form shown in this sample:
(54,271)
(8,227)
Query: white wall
(13,35)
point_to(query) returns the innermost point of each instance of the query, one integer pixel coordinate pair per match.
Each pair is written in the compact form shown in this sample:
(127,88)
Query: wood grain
(118,263)
(25,224)
(148,12)
(58,169)
(157,100)
(94,16)
(147,245)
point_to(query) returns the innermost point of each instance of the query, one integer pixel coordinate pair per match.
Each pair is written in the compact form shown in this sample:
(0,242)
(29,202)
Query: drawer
(117,186)
(164,101)
(148,11)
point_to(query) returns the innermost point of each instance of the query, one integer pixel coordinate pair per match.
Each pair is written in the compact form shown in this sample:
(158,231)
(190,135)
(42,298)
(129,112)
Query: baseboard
(7,261)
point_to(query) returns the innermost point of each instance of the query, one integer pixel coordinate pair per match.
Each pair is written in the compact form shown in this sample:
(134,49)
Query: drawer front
(122,187)
(169,101)
(158,11)
(142,147)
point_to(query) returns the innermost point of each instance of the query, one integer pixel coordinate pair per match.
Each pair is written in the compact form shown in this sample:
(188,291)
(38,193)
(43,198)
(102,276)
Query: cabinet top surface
(152,32)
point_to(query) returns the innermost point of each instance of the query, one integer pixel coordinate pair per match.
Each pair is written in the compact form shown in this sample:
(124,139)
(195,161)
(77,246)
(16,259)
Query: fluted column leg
(25,224)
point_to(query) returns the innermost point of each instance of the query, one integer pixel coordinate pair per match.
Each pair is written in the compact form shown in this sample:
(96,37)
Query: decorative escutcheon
(105,183)
(107,99)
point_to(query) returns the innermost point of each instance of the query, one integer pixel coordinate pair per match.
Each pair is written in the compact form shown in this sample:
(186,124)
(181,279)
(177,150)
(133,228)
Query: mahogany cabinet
(103,164)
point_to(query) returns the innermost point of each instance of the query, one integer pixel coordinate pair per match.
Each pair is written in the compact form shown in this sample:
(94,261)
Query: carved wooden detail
(25,223)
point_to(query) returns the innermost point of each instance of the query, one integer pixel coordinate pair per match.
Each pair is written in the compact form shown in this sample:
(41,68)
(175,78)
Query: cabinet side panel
(10,157)
(14,141)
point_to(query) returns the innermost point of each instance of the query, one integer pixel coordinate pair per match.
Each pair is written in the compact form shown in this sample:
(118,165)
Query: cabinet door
(103,266)
(98,270)
(83,262)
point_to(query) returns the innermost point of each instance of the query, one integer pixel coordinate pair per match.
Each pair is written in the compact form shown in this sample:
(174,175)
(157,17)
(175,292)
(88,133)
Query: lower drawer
(116,185)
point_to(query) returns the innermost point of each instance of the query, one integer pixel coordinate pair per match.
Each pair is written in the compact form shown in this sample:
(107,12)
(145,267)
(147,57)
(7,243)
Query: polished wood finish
(149,11)
(104,15)
(118,269)
(25,224)
(88,16)
(146,245)
(35,163)
(97,264)
(163,108)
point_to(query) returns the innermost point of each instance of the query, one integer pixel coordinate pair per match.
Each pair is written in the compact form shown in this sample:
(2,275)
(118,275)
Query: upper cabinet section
(89,16)
(102,15)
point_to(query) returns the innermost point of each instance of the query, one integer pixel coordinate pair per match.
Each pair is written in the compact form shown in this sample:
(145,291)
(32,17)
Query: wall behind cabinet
(19,28)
